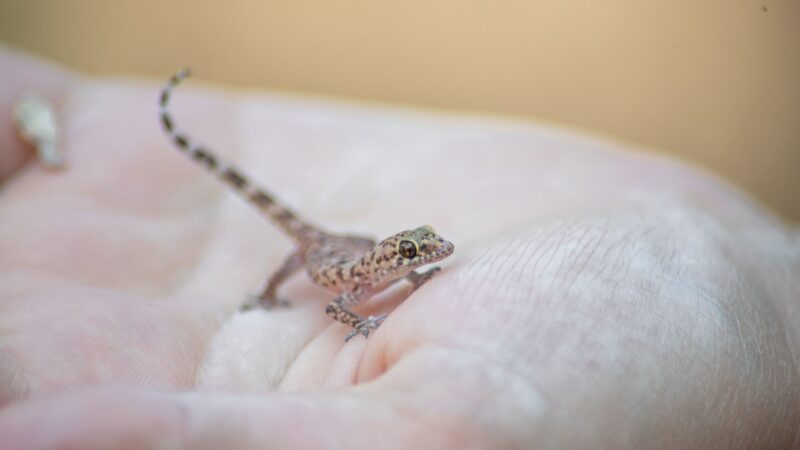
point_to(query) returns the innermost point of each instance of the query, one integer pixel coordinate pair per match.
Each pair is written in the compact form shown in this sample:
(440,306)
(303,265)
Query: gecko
(354,268)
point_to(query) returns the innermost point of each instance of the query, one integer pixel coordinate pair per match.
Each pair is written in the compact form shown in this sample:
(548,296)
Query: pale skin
(598,299)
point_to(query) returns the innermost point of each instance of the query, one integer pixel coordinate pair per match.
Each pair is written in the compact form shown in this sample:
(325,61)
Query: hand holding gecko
(597,298)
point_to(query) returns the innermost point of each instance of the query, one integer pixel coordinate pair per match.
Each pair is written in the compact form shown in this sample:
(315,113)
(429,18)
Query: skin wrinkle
(700,297)
(740,327)
(594,321)
(22,370)
(525,247)
(481,269)
(771,421)
(543,247)
(555,236)
(577,247)
(477,276)
(619,265)
(99,320)
(740,330)
(762,353)
(125,220)
(612,307)
(558,251)
(503,253)
(785,336)
(201,355)
(14,386)
(597,320)
(492,261)
(737,301)
(559,285)
(507,289)
(555,247)
(532,238)
(520,295)
(581,254)
(791,331)
(621,251)
(579,271)
(509,263)
(184,351)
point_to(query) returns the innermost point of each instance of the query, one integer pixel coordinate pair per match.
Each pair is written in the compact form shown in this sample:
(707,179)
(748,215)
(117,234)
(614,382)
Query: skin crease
(596,298)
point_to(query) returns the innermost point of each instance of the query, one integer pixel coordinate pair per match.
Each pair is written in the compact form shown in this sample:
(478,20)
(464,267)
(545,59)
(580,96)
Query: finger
(21,74)
(436,398)
(115,418)
(401,410)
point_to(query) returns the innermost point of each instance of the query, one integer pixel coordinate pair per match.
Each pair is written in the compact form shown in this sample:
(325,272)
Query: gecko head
(407,250)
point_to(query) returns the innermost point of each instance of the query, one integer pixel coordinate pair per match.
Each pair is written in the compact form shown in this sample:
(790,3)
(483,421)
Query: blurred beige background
(716,82)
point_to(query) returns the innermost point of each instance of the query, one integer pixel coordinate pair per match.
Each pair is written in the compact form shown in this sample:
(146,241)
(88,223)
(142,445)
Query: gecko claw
(363,327)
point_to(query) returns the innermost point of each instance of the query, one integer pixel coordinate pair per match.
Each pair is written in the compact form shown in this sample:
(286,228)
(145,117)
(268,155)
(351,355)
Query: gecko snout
(441,249)
(447,248)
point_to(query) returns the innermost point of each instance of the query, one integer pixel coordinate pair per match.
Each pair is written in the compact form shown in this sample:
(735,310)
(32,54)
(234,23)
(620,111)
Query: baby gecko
(352,267)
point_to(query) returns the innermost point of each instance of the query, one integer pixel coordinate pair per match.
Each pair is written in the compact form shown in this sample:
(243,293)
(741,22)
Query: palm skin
(596,298)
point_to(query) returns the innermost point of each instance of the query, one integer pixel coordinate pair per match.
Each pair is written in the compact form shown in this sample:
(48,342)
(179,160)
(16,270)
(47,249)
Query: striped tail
(282,216)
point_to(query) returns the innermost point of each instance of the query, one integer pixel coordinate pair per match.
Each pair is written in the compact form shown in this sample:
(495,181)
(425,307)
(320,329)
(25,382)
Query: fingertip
(94,418)
(23,73)
(99,418)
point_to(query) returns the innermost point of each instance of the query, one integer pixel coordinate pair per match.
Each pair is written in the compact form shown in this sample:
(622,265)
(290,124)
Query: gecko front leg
(339,309)
(267,298)
(417,279)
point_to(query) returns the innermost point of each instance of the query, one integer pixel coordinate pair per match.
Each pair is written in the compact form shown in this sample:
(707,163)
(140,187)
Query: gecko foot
(255,301)
(363,327)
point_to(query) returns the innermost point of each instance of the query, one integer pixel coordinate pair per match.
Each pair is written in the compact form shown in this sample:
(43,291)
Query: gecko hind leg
(267,298)
(339,308)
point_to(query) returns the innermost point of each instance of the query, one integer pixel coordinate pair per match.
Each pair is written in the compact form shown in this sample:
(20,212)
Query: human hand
(596,298)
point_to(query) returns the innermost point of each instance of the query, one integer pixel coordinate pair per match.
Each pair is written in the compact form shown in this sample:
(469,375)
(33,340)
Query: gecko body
(352,267)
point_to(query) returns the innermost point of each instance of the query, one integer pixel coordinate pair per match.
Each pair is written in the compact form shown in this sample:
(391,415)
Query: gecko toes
(363,327)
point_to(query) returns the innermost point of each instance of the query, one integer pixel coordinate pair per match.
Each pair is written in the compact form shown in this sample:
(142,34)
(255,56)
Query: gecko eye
(407,249)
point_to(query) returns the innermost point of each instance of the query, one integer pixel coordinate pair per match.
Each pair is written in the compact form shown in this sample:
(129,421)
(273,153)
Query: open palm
(596,298)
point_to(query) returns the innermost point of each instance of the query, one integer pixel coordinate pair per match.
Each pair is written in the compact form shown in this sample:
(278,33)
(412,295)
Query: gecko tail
(282,216)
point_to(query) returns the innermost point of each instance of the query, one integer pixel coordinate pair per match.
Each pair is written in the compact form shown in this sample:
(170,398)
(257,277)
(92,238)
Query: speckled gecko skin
(353,267)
